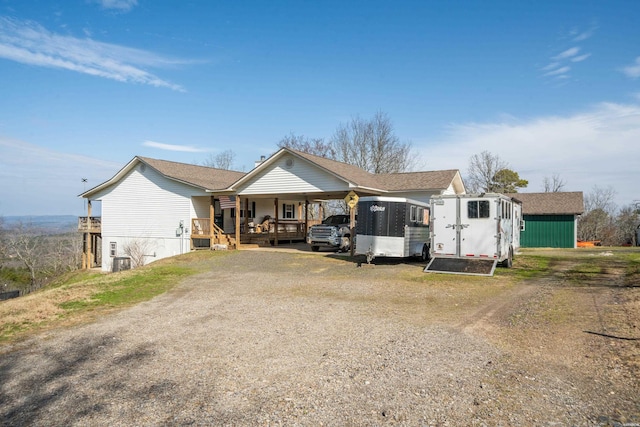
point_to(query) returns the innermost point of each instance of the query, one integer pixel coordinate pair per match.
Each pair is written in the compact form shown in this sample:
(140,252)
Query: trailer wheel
(508,263)
(424,256)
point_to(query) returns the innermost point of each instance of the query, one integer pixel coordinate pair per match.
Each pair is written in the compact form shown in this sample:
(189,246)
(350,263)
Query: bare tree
(137,250)
(482,170)
(223,160)
(600,198)
(3,246)
(372,145)
(553,184)
(26,244)
(63,253)
(315,146)
(627,222)
(598,220)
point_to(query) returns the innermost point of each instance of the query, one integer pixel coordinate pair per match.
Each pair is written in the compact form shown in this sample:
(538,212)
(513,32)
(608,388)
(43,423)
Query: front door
(218,217)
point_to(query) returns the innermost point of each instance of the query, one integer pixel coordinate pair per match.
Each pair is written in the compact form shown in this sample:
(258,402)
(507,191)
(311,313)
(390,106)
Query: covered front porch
(262,221)
(277,201)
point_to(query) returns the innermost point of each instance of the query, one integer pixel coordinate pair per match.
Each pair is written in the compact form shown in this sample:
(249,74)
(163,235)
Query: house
(550,219)
(166,208)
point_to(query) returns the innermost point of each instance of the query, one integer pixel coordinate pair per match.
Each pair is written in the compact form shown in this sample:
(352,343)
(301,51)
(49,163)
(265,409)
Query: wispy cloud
(121,5)
(595,147)
(558,68)
(580,58)
(29,43)
(551,66)
(567,53)
(558,71)
(584,35)
(633,70)
(172,147)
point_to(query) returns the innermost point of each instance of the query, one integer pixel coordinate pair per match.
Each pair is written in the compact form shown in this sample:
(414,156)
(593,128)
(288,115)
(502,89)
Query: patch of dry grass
(83,295)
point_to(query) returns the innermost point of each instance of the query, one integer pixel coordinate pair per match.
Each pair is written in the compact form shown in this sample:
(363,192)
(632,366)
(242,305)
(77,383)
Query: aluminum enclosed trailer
(473,227)
(392,227)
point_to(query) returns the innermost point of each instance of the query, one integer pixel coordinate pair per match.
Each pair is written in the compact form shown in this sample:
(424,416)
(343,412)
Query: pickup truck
(334,232)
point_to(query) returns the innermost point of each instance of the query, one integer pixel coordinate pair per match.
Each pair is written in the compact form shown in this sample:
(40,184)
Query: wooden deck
(288,231)
(89,224)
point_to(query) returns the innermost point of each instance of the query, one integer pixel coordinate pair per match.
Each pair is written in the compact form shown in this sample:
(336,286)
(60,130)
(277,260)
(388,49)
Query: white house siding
(146,207)
(201,207)
(449,190)
(290,175)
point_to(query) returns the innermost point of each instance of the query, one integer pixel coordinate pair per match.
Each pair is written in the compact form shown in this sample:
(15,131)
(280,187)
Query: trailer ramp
(470,266)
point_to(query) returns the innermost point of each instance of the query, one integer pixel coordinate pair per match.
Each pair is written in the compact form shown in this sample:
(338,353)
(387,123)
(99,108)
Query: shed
(550,219)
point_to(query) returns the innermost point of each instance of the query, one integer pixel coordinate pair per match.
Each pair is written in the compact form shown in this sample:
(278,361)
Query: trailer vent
(471,266)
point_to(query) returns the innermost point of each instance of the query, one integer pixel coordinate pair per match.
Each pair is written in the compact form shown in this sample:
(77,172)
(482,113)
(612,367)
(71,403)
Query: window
(288,211)
(413,215)
(478,209)
(417,215)
(252,209)
(113,249)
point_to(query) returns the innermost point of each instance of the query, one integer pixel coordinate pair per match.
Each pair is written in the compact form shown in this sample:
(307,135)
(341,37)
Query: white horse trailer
(392,227)
(473,227)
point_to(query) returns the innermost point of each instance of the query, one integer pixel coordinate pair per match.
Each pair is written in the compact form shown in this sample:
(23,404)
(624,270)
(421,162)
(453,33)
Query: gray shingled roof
(427,180)
(564,203)
(407,181)
(200,176)
(348,172)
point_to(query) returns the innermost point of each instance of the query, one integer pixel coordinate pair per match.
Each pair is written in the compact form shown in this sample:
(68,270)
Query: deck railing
(287,230)
(89,224)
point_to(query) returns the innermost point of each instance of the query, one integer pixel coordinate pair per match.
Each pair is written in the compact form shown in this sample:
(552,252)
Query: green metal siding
(548,231)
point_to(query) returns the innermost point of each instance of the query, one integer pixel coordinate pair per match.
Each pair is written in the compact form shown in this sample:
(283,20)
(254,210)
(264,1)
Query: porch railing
(89,224)
(287,230)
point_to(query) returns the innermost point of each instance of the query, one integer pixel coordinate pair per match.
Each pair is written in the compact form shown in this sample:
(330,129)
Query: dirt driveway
(273,338)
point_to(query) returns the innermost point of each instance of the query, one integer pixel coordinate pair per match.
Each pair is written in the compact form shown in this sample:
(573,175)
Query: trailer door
(478,228)
(445,220)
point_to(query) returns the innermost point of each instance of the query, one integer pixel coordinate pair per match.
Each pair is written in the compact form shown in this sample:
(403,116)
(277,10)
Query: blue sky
(550,87)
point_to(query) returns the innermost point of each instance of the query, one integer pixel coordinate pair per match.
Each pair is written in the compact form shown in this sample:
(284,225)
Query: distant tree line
(601,221)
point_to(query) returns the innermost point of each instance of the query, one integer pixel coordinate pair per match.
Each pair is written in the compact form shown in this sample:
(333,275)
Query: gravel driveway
(271,338)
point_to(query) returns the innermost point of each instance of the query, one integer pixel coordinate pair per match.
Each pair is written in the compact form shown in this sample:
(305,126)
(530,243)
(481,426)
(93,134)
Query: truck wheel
(344,244)
(315,248)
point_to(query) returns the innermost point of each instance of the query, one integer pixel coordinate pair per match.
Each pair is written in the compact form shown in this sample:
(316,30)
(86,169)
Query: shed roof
(560,203)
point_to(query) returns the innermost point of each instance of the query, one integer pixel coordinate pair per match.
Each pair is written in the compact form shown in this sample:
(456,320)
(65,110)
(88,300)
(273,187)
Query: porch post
(212,215)
(306,218)
(238,221)
(246,215)
(275,231)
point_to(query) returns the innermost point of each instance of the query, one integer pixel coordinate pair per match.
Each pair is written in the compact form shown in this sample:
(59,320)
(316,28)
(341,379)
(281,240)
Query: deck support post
(88,236)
